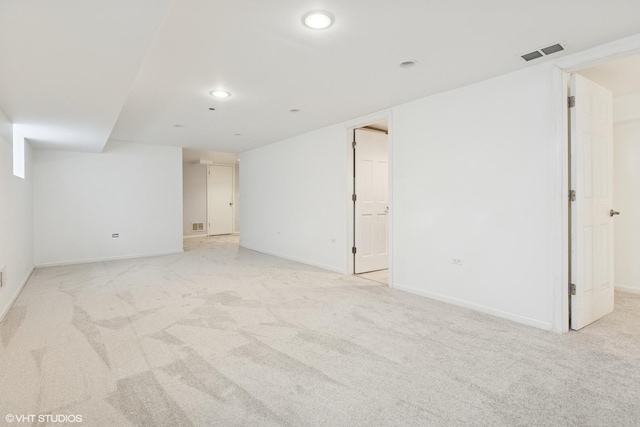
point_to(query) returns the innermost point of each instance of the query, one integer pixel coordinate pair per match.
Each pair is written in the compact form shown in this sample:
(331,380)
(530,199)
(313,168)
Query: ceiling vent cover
(552,49)
(531,56)
(543,52)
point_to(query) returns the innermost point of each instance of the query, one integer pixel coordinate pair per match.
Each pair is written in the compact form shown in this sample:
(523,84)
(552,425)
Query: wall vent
(197,226)
(539,53)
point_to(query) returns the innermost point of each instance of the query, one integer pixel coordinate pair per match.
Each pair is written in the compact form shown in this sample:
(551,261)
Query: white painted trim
(350,127)
(478,307)
(15,296)
(627,289)
(193,236)
(115,258)
(560,272)
(300,260)
(616,49)
(604,53)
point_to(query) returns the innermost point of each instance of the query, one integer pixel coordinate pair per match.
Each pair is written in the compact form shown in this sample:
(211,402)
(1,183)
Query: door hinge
(354,145)
(572,195)
(353,250)
(354,197)
(572,289)
(571,101)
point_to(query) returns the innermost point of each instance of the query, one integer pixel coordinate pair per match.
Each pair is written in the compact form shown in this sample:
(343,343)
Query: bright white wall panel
(81,199)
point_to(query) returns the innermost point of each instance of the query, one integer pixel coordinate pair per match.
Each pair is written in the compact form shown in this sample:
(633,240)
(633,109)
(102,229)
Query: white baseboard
(15,296)
(301,261)
(194,236)
(478,307)
(627,289)
(115,258)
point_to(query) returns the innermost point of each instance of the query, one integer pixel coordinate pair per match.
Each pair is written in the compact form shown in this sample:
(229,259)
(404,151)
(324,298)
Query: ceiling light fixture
(294,110)
(220,93)
(317,19)
(408,64)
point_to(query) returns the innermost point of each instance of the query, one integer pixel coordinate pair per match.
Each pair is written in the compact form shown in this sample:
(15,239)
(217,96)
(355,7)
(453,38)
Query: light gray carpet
(226,336)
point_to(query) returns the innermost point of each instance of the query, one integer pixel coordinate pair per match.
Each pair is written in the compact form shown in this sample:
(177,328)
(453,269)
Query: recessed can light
(220,93)
(317,19)
(237,134)
(408,63)
(179,126)
(294,110)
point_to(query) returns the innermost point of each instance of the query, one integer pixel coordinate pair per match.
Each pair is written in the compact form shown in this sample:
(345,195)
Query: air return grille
(542,52)
(197,226)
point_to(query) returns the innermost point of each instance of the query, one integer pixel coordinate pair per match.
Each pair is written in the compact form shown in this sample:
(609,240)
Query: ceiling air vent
(542,52)
(552,49)
(531,56)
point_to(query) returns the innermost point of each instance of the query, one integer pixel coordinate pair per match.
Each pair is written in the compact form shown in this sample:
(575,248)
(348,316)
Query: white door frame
(349,128)
(605,53)
(233,194)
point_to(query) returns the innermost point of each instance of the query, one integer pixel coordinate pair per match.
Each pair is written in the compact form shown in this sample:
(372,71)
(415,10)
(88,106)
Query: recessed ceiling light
(317,19)
(220,93)
(179,126)
(408,64)
(294,110)
(211,108)
(237,134)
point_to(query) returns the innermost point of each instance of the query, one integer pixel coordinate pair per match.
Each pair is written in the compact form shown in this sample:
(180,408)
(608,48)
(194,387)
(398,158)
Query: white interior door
(220,199)
(372,204)
(591,221)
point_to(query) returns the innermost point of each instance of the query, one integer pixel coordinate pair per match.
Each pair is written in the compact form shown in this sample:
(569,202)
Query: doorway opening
(604,189)
(210,191)
(371,202)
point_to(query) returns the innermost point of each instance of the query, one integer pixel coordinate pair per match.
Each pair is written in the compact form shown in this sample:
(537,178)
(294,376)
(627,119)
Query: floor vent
(197,226)
(554,48)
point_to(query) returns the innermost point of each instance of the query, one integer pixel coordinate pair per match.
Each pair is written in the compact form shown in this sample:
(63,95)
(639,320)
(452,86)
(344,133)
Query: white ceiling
(72,69)
(621,77)
(66,66)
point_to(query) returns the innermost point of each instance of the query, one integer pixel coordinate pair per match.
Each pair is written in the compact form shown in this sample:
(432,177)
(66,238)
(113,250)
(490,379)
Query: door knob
(613,213)
(231,204)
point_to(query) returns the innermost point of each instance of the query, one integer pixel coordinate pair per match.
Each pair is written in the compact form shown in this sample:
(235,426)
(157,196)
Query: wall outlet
(3,277)
(457,261)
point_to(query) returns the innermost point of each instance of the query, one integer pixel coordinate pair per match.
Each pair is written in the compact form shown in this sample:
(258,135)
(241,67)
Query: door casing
(560,88)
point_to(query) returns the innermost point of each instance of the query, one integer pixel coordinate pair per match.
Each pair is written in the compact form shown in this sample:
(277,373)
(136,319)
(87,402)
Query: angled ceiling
(66,66)
(81,72)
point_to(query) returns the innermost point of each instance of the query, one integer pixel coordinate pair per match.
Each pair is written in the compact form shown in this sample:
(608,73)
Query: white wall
(16,219)
(80,199)
(626,107)
(626,139)
(194,190)
(293,198)
(475,171)
(476,175)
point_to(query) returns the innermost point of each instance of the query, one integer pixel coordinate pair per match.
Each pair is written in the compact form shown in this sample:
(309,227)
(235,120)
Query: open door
(591,210)
(372,201)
